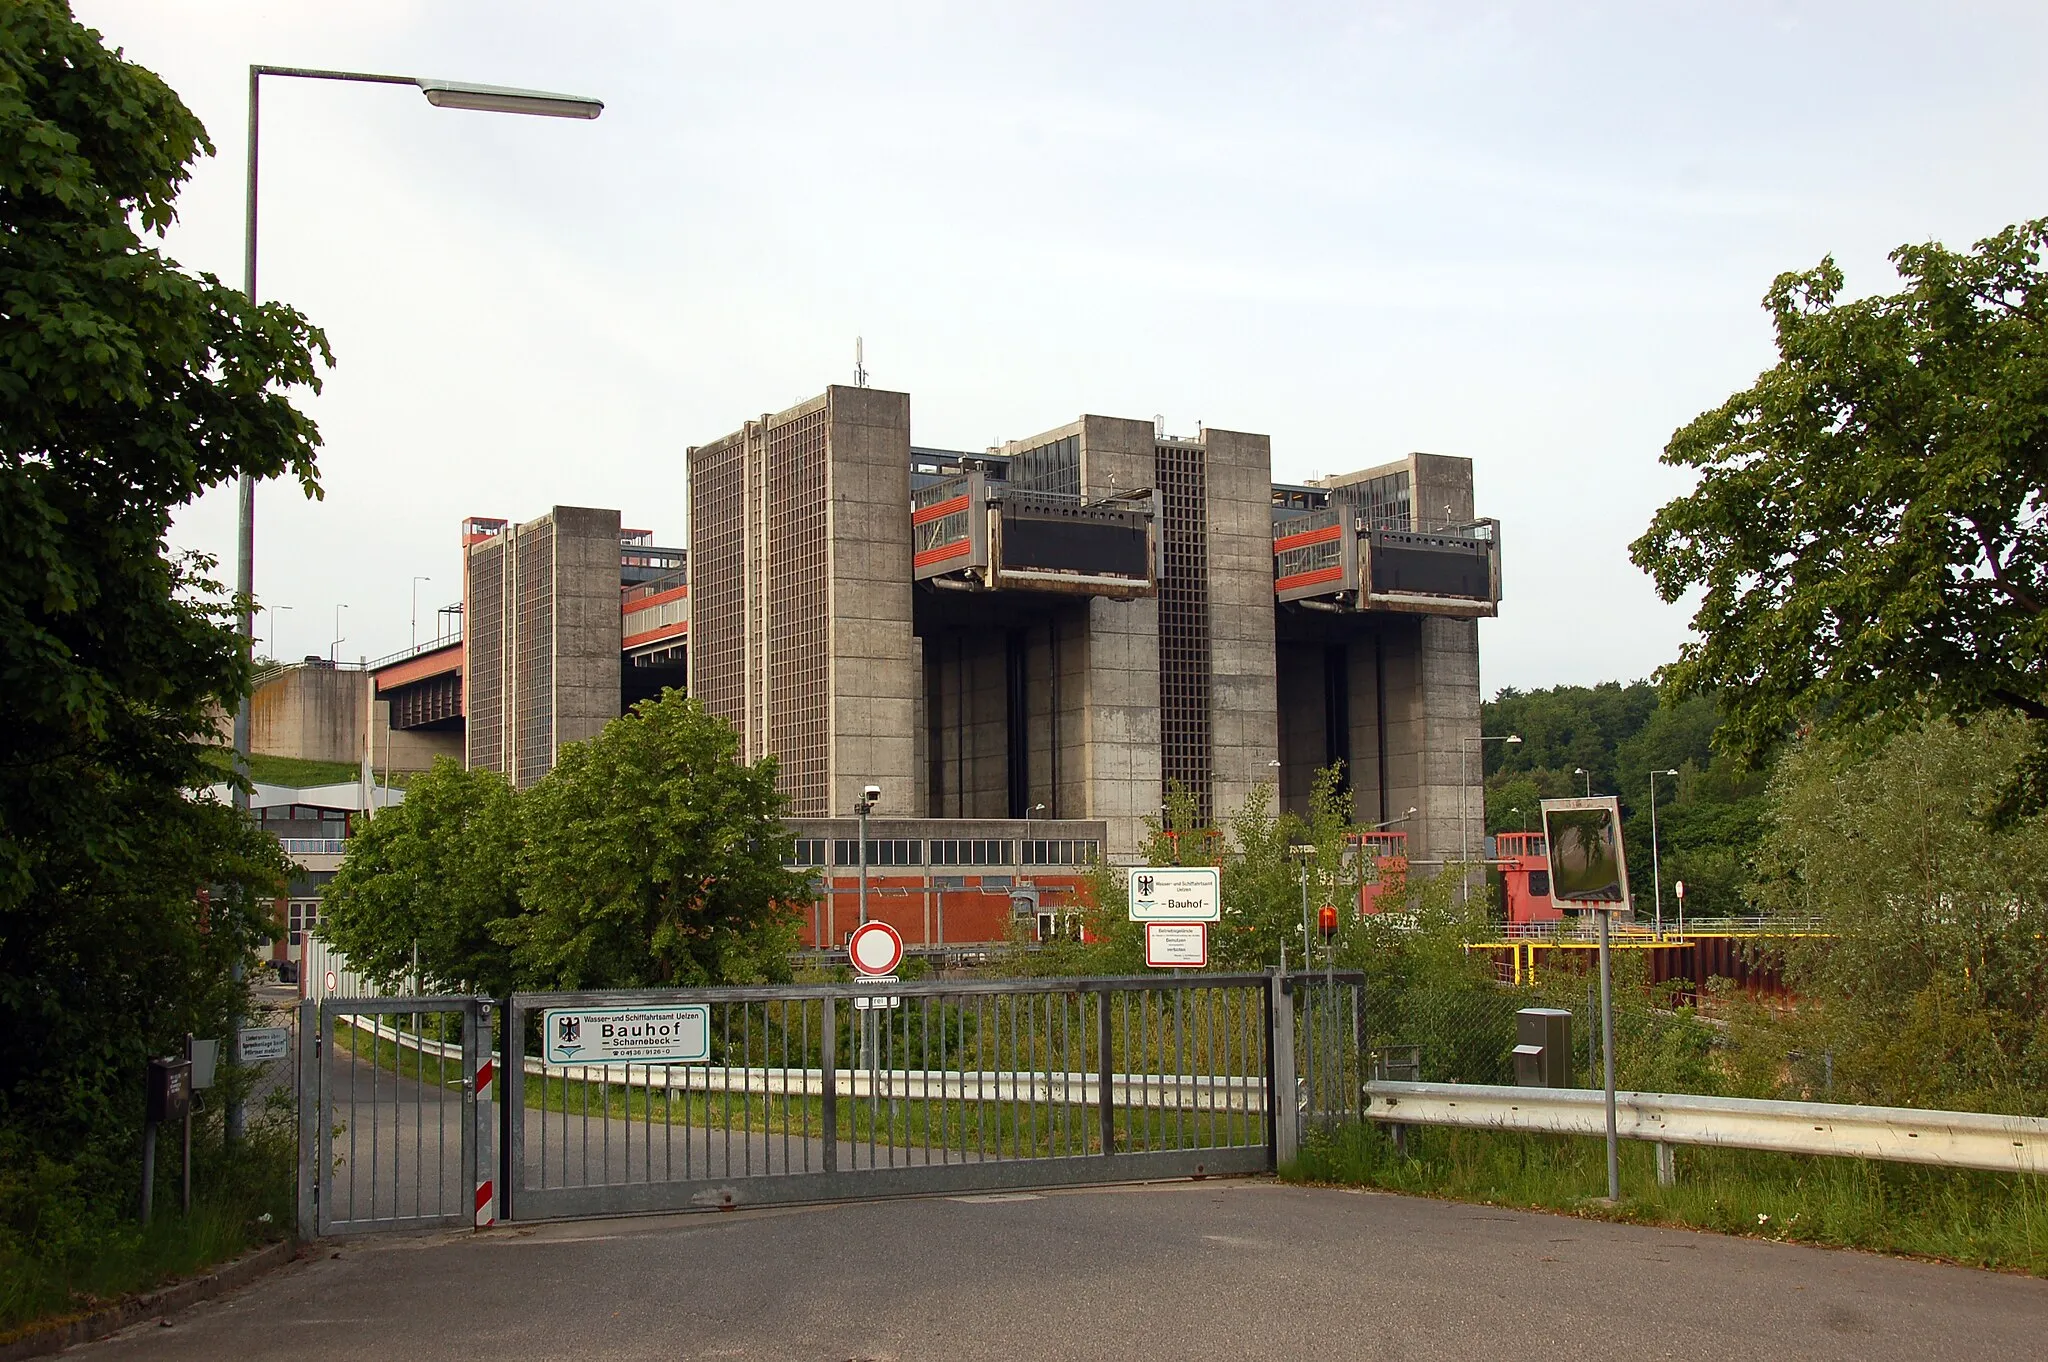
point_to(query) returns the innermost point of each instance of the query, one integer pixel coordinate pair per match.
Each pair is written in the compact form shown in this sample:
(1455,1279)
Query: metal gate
(391,1135)
(818,1093)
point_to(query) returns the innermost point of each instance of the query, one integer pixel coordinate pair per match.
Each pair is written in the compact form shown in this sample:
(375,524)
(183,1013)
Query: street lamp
(334,648)
(1582,771)
(416,609)
(271,637)
(1465,800)
(442,94)
(869,796)
(1656,869)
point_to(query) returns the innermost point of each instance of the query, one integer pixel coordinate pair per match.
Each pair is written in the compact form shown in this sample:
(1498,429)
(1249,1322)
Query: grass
(238,1204)
(1980,1219)
(298,772)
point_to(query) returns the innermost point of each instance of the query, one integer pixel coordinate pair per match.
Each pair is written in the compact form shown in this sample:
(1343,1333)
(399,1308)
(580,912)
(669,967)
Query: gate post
(1105,1076)
(512,1103)
(473,1110)
(309,1118)
(829,1070)
(1283,1112)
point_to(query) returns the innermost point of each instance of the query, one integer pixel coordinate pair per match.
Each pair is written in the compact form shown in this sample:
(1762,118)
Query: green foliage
(243,1195)
(1982,1219)
(434,874)
(650,855)
(1709,816)
(1930,985)
(653,855)
(1866,530)
(127,387)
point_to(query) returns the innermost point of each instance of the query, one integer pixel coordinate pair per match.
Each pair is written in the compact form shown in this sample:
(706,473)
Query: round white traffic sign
(875,948)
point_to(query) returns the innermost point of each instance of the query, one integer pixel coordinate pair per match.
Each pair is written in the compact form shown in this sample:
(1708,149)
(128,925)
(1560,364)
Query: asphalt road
(1184,1270)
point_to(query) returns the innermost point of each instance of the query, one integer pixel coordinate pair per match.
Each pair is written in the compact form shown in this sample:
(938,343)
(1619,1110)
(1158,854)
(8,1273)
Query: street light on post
(1465,800)
(334,648)
(1582,771)
(416,608)
(442,94)
(868,798)
(1656,867)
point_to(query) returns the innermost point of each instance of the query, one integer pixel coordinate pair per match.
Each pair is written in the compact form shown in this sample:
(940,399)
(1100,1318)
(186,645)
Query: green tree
(1929,982)
(1867,531)
(654,856)
(127,387)
(434,875)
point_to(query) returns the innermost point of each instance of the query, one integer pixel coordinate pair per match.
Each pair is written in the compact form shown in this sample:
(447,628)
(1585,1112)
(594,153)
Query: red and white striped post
(486,1185)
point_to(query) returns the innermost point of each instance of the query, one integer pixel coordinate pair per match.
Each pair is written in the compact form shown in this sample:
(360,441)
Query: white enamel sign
(627,1035)
(1176,893)
(1176,945)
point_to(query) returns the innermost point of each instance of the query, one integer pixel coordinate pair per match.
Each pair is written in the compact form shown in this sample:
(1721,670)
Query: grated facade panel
(1187,749)
(798,714)
(484,656)
(533,700)
(717,658)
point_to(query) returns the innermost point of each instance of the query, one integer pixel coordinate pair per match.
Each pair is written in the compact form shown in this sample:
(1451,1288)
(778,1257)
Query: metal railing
(811,1094)
(391,1137)
(313,846)
(1945,1139)
(818,1092)
(1571,929)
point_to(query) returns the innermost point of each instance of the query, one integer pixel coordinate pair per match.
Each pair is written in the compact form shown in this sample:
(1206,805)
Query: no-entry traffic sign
(875,948)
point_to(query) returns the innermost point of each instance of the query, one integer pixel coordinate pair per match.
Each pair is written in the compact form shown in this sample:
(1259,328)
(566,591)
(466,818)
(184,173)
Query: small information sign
(627,1035)
(261,1044)
(1176,893)
(869,1002)
(1177,945)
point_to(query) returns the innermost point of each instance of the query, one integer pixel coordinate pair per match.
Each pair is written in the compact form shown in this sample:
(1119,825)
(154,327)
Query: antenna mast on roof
(860,368)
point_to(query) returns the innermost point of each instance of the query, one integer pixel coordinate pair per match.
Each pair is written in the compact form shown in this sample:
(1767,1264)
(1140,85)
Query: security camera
(872,794)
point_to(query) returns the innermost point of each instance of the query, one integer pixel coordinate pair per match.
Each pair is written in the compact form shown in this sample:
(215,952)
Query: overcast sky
(1534,235)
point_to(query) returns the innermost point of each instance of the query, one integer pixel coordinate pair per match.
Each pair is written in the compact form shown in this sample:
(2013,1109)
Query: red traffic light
(1326,922)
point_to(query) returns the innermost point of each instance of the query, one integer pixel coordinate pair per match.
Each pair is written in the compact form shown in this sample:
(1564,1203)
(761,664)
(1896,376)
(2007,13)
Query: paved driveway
(1186,1270)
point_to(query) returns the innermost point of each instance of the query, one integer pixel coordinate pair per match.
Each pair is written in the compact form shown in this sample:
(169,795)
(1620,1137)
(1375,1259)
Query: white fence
(324,973)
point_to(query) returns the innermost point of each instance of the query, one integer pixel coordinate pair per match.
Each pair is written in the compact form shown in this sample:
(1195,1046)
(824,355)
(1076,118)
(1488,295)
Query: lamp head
(456,94)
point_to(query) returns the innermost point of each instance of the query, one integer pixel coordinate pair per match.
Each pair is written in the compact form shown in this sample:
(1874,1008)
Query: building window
(808,851)
(970,851)
(1062,851)
(301,916)
(881,851)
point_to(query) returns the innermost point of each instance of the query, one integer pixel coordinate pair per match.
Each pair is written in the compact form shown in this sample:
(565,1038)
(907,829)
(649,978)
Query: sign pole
(1607,1060)
(148,1169)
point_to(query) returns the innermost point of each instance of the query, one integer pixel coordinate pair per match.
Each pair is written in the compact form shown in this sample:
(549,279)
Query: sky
(1533,235)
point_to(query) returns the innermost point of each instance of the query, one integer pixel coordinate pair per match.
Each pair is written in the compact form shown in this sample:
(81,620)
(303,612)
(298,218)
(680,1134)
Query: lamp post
(1582,771)
(442,94)
(271,639)
(1656,867)
(1465,800)
(416,609)
(334,648)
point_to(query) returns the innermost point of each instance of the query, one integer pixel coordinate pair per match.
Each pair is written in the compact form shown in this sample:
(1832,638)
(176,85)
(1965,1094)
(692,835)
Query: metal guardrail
(1944,1139)
(1636,931)
(314,846)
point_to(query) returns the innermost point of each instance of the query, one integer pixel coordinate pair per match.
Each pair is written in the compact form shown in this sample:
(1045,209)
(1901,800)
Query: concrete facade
(801,597)
(1060,627)
(319,711)
(542,640)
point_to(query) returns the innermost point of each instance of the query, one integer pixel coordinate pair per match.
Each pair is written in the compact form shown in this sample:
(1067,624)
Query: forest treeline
(1710,816)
